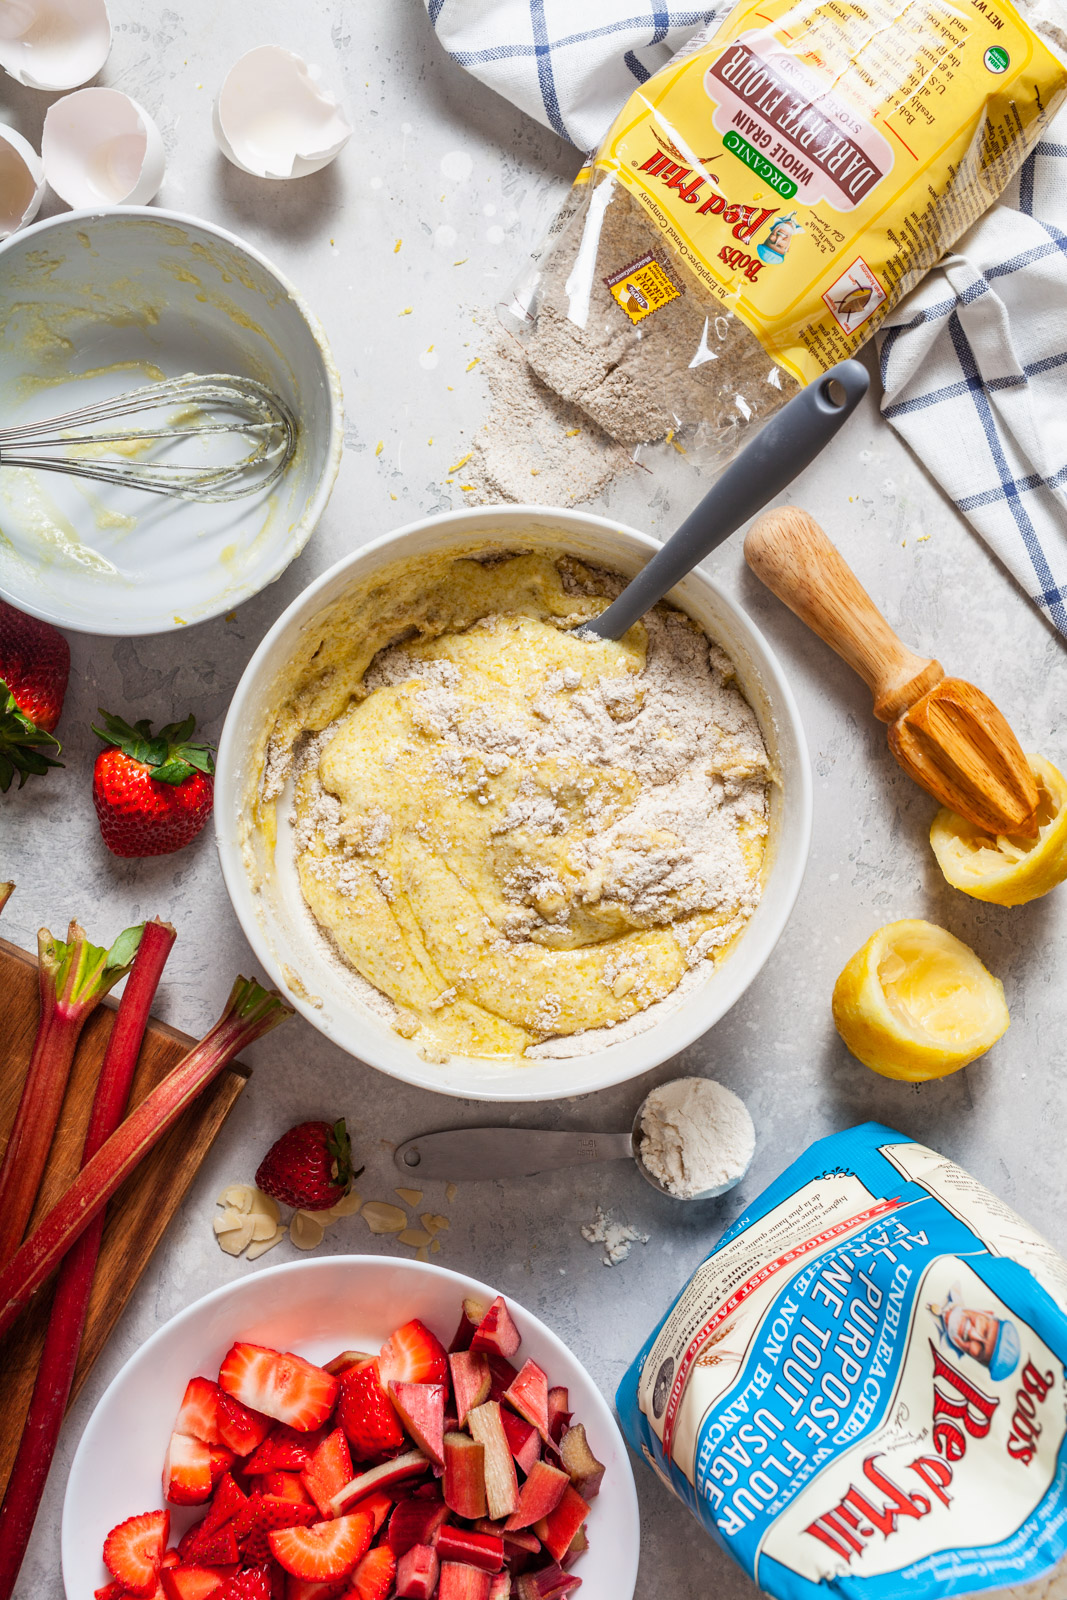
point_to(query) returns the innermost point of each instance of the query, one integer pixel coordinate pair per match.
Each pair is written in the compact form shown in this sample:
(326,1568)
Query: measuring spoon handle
(472,1153)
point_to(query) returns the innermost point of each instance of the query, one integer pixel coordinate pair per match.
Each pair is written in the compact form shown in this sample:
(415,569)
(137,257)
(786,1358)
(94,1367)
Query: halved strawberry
(218,1549)
(280,1384)
(284,1450)
(366,1413)
(413,1355)
(373,1578)
(191,1583)
(263,1513)
(133,1551)
(240,1428)
(325,1549)
(186,1471)
(198,1413)
(329,1469)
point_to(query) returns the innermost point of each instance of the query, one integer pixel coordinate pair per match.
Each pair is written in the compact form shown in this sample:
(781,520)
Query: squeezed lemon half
(1007,870)
(916,1003)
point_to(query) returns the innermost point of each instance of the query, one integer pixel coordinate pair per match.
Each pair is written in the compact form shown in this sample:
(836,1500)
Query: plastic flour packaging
(863,1387)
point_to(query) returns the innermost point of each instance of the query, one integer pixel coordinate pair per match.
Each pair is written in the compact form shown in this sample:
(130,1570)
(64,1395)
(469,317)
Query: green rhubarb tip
(78,974)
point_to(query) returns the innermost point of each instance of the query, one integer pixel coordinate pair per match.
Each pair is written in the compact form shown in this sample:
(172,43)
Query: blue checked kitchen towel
(974,362)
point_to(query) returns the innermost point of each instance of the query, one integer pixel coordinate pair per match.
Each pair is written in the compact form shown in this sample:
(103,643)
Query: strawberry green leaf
(167,754)
(23,745)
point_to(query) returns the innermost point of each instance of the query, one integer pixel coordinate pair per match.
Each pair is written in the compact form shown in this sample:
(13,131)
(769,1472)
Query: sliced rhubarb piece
(186,1471)
(412,1355)
(190,1583)
(417,1572)
(497,1332)
(302,1589)
(329,1469)
(198,1414)
(581,1465)
(421,1407)
(415,1522)
(521,1539)
(558,1529)
(577,1547)
(541,1494)
(484,1550)
(523,1439)
(460,1582)
(240,1428)
(548,1583)
(347,1358)
(133,1551)
(406,1466)
(528,1395)
(501,1483)
(501,1375)
(280,1384)
(500,1587)
(470,1316)
(324,1549)
(464,1480)
(559,1418)
(470,1381)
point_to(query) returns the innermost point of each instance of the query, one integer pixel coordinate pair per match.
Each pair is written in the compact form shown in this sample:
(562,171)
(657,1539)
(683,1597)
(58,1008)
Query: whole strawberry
(34,667)
(152,792)
(310,1167)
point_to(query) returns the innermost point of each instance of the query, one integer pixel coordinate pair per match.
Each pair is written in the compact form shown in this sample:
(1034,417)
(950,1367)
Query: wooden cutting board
(140,1211)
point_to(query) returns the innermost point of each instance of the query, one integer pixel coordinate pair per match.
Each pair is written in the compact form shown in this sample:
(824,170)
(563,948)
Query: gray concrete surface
(334,234)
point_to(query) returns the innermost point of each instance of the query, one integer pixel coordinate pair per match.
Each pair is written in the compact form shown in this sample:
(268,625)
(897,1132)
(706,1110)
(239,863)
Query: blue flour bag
(862,1391)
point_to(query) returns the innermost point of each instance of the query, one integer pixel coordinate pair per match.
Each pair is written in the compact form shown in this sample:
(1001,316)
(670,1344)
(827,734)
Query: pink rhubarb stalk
(73,978)
(59,1357)
(250,1012)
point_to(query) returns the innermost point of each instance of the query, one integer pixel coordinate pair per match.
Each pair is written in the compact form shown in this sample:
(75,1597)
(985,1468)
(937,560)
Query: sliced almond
(422,1255)
(433,1222)
(238,1195)
(346,1207)
(410,1197)
(381,1217)
(435,1247)
(450,1192)
(417,1237)
(234,1240)
(228,1220)
(306,1231)
(263,1227)
(265,1205)
(260,1246)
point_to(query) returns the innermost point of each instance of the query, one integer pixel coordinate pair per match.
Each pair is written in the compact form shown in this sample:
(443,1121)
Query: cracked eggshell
(54,44)
(273,117)
(101,147)
(21,181)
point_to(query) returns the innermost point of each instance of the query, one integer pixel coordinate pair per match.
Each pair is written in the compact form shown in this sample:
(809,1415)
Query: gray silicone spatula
(781,450)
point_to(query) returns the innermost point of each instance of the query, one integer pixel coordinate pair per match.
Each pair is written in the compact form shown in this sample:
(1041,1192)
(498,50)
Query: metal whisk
(209,405)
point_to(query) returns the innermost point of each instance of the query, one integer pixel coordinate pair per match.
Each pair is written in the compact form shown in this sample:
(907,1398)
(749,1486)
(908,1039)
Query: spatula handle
(792,555)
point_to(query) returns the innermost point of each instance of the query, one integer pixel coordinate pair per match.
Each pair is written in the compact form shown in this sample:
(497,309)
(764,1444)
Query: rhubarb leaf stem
(66,1324)
(250,1012)
(73,977)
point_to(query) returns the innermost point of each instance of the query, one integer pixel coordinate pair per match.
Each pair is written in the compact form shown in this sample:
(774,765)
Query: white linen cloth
(974,361)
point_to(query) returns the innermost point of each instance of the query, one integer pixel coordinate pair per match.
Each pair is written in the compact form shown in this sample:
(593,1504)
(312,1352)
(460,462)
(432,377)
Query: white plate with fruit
(494,1471)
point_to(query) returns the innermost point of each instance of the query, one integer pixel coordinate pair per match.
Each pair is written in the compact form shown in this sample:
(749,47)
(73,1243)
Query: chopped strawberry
(262,1514)
(325,1549)
(422,1411)
(133,1551)
(191,1583)
(497,1333)
(283,1385)
(186,1471)
(225,1503)
(218,1549)
(329,1469)
(240,1428)
(198,1414)
(251,1584)
(305,1589)
(413,1355)
(286,1486)
(220,1461)
(284,1450)
(110,1591)
(366,1413)
(374,1577)
(377,1506)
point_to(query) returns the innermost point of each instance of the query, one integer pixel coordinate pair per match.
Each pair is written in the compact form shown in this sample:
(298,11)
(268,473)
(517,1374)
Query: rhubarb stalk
(59,1357)
(73,978)
(250,1012)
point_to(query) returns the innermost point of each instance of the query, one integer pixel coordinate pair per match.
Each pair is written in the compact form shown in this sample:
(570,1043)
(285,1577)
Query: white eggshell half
(99,146)
(22,182)
(274,119)
(54,44)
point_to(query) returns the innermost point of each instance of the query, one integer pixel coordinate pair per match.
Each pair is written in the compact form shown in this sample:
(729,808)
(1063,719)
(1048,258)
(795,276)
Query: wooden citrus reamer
(945,733)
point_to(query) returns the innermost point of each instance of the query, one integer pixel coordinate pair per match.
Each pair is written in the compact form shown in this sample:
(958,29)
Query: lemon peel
(1007,870)
(916,1003)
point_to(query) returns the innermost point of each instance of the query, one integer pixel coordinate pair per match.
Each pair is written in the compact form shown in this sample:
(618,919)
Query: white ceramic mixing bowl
(93,303)
(266,894)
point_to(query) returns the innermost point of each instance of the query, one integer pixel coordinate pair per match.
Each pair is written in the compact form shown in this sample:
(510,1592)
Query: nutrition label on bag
(809,161)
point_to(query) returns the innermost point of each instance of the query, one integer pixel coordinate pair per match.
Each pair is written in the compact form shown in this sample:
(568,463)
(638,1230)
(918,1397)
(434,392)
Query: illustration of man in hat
(992,1340)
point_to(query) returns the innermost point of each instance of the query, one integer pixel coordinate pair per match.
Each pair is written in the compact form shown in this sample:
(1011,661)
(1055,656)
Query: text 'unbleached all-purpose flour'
(862,1389)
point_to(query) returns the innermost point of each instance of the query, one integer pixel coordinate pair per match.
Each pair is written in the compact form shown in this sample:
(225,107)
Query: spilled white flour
(618,1238)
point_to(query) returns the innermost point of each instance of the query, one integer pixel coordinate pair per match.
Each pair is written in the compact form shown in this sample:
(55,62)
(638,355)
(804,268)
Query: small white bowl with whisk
(132,296)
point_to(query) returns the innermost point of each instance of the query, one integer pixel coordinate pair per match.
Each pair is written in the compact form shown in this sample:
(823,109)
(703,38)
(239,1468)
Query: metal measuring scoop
(472,1154)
